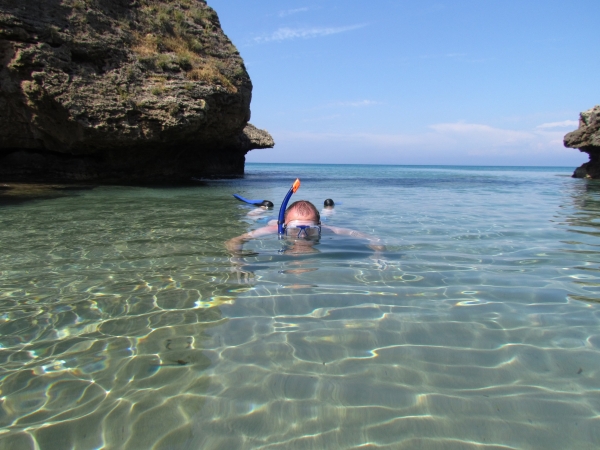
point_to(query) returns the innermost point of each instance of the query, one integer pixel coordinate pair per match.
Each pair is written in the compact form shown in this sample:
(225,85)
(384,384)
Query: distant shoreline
(424,166)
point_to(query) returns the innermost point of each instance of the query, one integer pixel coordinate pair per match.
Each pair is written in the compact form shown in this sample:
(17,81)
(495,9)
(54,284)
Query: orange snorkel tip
(296,185)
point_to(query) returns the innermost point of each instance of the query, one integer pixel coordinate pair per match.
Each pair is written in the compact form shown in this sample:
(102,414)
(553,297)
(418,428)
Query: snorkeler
(264,206)
(328,210)
(259,212)
(300,221)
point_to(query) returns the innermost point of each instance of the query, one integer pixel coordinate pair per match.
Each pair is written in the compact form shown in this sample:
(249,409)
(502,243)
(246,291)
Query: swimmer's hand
(377,247)
(242,276)
(380,264)
(235,247)
(379,261)
(238,255)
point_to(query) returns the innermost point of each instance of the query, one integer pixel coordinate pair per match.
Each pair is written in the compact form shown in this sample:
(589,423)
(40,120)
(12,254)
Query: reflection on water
(124,324)
(584,222)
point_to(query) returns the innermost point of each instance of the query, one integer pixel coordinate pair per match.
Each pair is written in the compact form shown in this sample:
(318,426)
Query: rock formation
(587,139)
(121,91)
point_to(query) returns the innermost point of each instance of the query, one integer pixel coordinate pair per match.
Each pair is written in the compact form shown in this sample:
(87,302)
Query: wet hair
(303,208)
(328,202)
(267,203)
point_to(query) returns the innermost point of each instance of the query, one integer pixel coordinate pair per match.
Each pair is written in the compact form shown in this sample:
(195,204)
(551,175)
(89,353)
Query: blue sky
(478,82)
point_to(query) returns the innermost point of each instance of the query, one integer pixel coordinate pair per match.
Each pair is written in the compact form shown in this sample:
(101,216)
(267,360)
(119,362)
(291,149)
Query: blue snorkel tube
(281,218)
(265,203)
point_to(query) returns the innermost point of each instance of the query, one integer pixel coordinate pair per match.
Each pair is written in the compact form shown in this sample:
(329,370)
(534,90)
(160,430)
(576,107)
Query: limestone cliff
(121,90)
(587,139)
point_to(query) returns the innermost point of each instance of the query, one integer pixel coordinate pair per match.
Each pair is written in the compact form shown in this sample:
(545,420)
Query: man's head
(302,210)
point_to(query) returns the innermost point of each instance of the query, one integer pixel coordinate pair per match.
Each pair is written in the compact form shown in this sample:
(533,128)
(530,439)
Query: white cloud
(283,34)
(563,124)
(485,135)
(289,12)
(444,143)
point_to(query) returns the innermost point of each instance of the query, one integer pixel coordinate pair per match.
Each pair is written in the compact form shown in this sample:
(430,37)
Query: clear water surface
(125,324)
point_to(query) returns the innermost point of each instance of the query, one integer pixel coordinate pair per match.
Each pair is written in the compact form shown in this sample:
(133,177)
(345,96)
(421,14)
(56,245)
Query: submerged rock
(587,139)
(121,90)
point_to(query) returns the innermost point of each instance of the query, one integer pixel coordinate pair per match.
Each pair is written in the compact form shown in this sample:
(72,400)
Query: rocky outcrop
(587,139)
(121,90)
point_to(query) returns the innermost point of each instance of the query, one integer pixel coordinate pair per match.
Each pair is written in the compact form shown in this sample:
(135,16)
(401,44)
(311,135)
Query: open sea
(125,324)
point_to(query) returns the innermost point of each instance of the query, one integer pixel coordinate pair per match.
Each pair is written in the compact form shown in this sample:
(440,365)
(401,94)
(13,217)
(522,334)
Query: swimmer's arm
(256,212)
(373,240)
(348,232)
(235,245)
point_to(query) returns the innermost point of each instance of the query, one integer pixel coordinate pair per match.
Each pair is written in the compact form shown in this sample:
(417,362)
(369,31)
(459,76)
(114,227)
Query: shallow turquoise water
(124,323)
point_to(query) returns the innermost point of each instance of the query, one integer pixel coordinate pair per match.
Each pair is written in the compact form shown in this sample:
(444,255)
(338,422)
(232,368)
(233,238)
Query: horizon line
(391,164)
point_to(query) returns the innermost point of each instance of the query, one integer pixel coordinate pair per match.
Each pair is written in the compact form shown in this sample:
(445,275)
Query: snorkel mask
(295,228)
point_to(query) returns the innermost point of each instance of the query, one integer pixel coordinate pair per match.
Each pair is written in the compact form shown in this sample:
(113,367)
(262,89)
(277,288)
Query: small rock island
(587,139)
(113,91)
